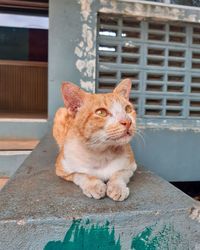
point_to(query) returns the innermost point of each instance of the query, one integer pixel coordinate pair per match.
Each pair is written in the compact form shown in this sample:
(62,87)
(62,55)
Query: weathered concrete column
(40,211)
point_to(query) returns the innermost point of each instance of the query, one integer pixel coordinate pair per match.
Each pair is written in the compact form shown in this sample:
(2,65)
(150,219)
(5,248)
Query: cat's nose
(126,123)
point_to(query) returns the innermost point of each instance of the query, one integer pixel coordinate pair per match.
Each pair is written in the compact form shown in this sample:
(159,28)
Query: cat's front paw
(95,189)
(117,190)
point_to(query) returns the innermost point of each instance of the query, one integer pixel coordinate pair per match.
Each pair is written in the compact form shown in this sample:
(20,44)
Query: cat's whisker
(136,129)
(141,137)
(112,130)
(99,140)
(141,132)
(118,133)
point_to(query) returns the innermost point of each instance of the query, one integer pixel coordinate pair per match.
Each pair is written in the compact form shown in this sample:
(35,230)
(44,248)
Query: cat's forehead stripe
(101,100)
(108,101)
(116,107)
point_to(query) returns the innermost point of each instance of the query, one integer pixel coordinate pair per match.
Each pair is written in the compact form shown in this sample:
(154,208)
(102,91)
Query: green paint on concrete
(153,238)
(86,237)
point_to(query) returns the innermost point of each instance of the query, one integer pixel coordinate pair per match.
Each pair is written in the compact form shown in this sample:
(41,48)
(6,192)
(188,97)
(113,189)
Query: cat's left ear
(124,88)
(73,96)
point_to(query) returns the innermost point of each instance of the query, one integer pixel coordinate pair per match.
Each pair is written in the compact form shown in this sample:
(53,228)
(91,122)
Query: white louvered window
(162,59)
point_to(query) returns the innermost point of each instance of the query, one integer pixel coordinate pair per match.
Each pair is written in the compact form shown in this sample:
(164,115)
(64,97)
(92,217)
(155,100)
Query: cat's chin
(108,142)
(120,141)
(123,139)
(111,143)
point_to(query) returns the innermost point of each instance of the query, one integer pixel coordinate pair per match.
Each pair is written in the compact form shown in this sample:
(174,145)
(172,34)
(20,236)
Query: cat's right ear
(73,96)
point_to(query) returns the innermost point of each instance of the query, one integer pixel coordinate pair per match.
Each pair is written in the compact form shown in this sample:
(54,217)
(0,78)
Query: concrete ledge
(40,211)
(10,161)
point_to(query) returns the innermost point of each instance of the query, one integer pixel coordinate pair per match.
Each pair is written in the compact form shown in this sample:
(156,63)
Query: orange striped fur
(93,132)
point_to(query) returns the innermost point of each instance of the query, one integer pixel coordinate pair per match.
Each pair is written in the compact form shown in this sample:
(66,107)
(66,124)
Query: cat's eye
(128,109)
(101,112)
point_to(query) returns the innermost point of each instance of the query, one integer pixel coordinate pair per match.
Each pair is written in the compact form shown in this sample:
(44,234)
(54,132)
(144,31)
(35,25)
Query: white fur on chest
(79,160)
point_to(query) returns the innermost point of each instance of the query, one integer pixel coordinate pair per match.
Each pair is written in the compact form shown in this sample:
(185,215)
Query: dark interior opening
(24,61)
(191,188)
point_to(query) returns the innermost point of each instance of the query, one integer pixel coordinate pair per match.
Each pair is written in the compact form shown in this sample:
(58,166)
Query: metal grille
(162,59)
(195,3)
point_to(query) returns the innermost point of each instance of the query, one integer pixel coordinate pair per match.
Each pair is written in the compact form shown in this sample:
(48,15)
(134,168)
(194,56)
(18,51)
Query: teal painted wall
(170,154)
(64,32)
(170,151)
(70,34)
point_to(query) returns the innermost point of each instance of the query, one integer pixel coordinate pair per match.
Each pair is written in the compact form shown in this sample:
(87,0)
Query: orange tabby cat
(93,132)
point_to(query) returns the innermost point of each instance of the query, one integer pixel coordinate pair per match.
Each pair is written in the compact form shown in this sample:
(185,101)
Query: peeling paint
(177,128)
(195,213)
(195,127)
(151,11)
(85,50)
(104,2)
(85,9)
(192,17)
(86,85)
(78,51)
(21,222)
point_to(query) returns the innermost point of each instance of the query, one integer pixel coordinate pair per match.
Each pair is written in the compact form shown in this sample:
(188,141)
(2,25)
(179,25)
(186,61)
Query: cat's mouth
(126,136)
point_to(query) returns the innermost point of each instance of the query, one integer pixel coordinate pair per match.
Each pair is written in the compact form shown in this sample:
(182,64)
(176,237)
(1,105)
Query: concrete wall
(41,211)
(169,150)
(72,50)
(72,37)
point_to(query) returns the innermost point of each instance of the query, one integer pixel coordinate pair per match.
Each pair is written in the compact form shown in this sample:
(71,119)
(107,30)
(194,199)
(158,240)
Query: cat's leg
(90,185)
(117,185)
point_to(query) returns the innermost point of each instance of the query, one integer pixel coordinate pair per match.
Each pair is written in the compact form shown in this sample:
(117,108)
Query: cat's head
(101,120)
